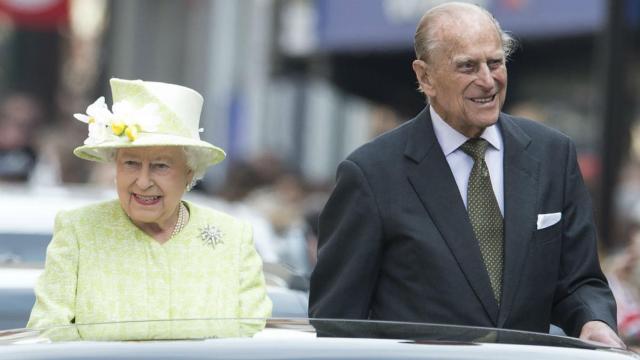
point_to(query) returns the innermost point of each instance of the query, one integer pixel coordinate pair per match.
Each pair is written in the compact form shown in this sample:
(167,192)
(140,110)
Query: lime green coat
(102,268)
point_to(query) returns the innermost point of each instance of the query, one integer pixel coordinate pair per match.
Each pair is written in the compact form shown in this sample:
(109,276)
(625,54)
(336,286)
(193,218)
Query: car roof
(302,349)
(319,339)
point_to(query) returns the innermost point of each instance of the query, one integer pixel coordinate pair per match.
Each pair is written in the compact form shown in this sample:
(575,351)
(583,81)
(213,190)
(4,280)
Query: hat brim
(97,152)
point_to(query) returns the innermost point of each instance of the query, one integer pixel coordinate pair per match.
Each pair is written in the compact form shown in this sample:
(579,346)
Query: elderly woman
(149,255)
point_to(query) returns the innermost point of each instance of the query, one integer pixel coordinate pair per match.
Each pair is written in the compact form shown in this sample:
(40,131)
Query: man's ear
(421,70)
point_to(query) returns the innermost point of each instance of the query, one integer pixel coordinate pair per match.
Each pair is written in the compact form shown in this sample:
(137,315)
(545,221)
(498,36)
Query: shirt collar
(450,139)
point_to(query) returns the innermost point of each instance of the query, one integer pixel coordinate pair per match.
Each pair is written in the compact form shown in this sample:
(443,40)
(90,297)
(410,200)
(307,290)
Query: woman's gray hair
(197,161)
(426,38)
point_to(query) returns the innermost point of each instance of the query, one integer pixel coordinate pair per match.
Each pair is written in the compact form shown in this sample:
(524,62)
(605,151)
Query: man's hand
(600,332)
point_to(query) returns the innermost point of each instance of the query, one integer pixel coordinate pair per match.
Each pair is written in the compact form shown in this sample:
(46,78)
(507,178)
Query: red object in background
(590,166)
(514,5)
(36,14)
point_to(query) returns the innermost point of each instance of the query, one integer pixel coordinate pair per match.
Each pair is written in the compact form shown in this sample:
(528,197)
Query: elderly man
(463,215)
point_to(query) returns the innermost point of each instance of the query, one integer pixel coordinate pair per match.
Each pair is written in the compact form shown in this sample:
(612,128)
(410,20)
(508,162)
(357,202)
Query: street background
(293,86)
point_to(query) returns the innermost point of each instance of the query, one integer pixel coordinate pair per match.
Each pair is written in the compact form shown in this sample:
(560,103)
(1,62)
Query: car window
(23,248)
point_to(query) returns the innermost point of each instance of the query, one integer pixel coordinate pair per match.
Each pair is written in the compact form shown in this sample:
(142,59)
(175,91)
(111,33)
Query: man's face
(466,78)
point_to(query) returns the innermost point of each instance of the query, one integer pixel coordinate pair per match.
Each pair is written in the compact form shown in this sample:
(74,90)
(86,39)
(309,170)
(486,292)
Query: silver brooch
(211,235)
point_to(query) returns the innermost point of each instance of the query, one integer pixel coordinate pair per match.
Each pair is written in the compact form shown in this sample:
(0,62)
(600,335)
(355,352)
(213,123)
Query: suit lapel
(432,179)
(520,190)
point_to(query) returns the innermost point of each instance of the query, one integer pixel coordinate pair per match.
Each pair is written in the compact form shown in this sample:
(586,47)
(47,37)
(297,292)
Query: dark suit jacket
(396,242)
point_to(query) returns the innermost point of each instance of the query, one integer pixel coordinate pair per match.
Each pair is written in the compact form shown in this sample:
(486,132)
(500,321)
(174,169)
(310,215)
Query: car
(26,224)
(317,339)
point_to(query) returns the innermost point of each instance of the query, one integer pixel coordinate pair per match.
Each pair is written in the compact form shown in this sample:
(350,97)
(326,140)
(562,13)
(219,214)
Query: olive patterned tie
(484,213)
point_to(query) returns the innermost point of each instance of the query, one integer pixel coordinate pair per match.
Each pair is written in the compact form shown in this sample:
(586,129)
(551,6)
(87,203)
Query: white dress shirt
(461,164)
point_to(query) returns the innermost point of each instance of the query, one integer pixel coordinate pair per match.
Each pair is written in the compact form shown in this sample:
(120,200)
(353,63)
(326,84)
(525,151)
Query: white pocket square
(546,220)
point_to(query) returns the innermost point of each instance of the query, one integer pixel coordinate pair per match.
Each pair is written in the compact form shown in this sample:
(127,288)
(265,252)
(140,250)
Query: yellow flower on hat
(118,127)
(125,123)
(133,120)
(132,132)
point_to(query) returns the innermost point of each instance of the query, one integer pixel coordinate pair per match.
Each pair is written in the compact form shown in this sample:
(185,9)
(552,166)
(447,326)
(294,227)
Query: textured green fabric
(100,268)
(484,214)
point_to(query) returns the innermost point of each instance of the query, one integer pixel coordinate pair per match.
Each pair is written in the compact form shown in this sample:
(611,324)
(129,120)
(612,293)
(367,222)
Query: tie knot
(475,148)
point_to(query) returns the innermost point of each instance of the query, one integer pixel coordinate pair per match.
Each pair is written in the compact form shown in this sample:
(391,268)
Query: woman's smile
(146,200)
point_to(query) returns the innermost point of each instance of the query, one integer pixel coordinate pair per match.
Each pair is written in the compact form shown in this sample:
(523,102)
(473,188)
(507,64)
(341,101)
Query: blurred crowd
(267,188)
(622,264)
(20,116)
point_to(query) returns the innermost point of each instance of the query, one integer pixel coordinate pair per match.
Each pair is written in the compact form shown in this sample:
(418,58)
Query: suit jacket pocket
(548,235)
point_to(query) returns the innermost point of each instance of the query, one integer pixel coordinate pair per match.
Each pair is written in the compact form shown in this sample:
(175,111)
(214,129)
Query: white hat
(145,114)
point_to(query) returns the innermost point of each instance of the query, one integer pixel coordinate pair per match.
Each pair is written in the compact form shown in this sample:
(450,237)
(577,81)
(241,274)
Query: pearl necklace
(182,220)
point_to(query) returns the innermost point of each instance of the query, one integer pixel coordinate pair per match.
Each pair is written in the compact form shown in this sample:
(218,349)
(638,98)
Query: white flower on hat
(129,120)
(124,124)
(98,118)
(172,121)
(98,133)
(96,112)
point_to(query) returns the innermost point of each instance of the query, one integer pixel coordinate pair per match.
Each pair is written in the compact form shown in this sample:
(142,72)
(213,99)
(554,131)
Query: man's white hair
(426,39)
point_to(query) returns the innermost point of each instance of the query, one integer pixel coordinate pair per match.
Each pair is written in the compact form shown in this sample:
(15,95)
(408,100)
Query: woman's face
(150,183)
